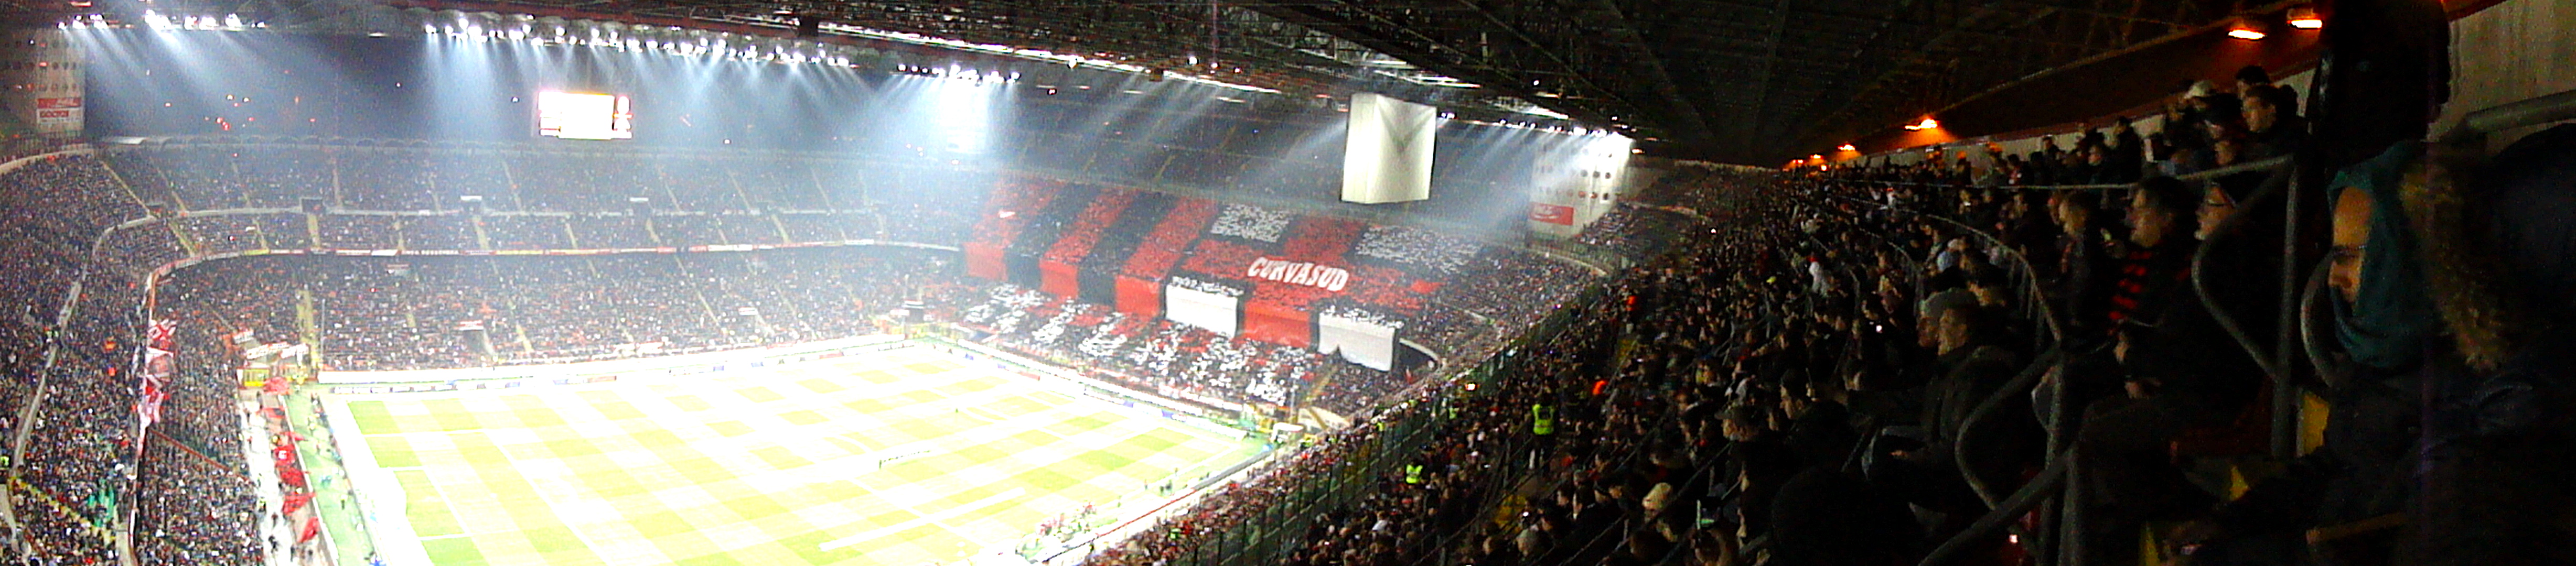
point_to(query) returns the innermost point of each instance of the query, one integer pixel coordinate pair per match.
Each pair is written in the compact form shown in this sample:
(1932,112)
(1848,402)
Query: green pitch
(905,457)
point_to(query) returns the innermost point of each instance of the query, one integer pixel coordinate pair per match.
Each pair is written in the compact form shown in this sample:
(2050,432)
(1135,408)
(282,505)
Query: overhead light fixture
(2305,17)
(1816,156)
(1926,124)
(2245,30)
(1847,147)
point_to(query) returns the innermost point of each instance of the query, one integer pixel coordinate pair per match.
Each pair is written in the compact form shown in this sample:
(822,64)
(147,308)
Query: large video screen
(585,116)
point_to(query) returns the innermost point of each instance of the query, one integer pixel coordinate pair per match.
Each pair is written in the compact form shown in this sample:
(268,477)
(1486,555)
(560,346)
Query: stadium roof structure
(1741,81)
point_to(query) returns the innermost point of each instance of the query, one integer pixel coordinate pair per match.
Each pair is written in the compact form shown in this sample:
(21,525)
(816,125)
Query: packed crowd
(1633,231)
(279,230)
(80,445)
(195,508)
(1507,286)
(1856,367)
(2207,127)
(444,312)
(1152,354)
(435,199)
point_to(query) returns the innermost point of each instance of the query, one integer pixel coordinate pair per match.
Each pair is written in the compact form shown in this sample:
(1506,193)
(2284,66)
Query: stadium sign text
(1300,273)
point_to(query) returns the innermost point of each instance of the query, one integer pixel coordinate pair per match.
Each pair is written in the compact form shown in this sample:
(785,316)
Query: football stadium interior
(1297,282)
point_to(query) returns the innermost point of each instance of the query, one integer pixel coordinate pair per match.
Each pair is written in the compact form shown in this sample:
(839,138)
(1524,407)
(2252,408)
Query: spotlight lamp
(2305,17)
(2246,30)
(1926,124)
(1846,147)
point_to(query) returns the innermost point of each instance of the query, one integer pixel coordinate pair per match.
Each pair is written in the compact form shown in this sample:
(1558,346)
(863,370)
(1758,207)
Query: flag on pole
(159,363)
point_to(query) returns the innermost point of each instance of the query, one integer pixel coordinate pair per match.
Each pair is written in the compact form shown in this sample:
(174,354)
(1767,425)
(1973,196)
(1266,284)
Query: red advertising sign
(65,102)
(1552,213)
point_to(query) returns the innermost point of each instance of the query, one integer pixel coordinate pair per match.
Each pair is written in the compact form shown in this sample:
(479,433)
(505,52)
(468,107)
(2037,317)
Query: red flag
(312,526)
(1552,214)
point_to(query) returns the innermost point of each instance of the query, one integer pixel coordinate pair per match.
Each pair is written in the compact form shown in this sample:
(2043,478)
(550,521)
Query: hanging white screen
(1362,340)
(585,116)
(1389,156)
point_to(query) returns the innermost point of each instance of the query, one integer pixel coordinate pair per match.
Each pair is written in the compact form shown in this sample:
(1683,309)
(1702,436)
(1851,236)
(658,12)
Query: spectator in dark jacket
(2125,156)
(2082,264)
(2122,449)
(2272,124)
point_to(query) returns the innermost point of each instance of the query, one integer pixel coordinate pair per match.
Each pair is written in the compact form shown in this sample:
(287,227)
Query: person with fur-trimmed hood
(2499,438)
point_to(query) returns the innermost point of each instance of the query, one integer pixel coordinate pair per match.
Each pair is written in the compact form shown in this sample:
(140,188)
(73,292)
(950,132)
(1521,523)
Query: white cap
(2201,89)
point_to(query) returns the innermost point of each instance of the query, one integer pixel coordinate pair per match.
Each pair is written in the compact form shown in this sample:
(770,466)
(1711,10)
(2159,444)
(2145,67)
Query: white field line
(882,532)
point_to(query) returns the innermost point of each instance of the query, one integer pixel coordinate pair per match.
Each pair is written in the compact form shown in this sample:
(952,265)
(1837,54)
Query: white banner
(1362,338)
(1216,312)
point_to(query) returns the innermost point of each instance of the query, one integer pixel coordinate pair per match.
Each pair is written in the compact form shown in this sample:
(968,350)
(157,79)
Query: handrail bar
(2020,386)
(2027,498)
(2271,189)
(2532,111)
